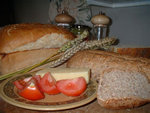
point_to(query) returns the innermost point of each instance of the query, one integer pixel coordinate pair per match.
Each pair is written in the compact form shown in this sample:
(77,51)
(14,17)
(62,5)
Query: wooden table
(92,107)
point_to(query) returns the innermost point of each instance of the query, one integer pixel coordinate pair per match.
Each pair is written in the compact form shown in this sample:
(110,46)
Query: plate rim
(47,107)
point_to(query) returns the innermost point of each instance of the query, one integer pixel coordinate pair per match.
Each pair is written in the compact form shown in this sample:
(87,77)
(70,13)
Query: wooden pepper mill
(64,19)
(100,22)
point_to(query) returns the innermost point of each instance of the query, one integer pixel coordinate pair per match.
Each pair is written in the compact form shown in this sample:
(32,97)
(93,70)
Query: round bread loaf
(22,45)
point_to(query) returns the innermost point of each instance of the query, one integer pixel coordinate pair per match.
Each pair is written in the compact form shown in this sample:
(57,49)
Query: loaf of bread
(99,61)
(20,37)
(124,82)
(15,61)
(23,45)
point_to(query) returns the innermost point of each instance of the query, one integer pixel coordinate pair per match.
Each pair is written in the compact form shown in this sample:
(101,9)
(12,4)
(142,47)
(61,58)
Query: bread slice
(20,37)
(119,88)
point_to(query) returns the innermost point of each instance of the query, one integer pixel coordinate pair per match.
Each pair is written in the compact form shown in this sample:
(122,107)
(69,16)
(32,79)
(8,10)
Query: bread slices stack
(123,81)
(22,45)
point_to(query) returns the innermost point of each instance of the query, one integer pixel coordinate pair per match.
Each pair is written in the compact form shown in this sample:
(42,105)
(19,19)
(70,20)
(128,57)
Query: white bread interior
(53,40)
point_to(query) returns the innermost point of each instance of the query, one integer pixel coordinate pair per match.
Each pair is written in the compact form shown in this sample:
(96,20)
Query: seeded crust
(20,37)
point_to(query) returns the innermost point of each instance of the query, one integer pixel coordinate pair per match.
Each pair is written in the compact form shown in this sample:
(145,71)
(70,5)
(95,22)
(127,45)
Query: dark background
(6,12)
(24,11)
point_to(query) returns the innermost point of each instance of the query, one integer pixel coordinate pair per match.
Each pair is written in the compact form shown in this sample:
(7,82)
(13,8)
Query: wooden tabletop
(92,107)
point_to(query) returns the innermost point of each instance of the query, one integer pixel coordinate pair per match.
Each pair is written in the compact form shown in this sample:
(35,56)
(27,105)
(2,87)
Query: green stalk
(40,64)
(22,71)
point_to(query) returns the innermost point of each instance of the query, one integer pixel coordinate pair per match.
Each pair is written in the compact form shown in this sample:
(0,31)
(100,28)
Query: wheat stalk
(96,44)
(68,54)
(82,46)
(74,42)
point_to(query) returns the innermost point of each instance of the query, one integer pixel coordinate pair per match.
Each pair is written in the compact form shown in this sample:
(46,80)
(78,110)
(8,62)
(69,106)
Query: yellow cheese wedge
(66,73)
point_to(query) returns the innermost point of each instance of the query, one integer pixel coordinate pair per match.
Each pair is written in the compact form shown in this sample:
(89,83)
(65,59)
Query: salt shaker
(64,19)
(100,23)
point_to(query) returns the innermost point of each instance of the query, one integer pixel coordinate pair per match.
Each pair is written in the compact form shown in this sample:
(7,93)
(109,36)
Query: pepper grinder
(64,19)
(100,23)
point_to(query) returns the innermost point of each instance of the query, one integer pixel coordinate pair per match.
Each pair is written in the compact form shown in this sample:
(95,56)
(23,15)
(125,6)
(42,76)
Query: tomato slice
(48,84)
(31,91)
(37,78)
(20,84)
(72,87)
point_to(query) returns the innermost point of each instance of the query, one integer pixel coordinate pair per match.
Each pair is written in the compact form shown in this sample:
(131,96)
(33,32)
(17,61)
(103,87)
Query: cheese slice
(66,73)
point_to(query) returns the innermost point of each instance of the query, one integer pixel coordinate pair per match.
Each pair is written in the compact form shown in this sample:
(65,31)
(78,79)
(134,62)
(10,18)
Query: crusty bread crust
(18,60)
(123,103)
(14,36)
(98,61)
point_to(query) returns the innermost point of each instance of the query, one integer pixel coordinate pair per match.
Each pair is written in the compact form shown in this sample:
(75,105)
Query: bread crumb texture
(121,83)
(123,89)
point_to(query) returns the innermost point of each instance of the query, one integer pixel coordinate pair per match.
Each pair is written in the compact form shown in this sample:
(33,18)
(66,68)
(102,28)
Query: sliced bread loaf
(119,88)
(31,36)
